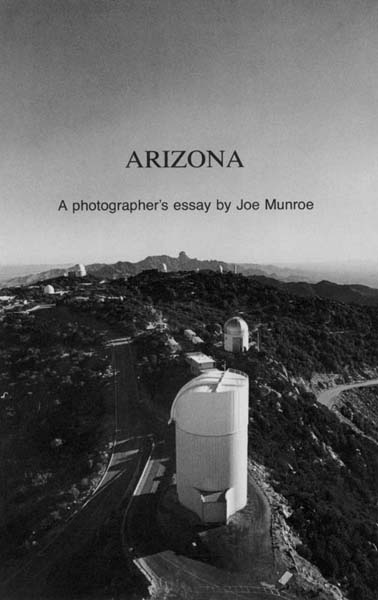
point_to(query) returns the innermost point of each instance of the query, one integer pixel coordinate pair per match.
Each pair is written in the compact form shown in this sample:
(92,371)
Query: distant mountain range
(13,272)
(347,293)
(125,268)
(271,275)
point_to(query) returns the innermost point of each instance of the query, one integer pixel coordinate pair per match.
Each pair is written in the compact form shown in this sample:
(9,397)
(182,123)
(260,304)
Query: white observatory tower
(81,271)
(164,268)
(48,289)
(211,417)
(220,269)
(236,335)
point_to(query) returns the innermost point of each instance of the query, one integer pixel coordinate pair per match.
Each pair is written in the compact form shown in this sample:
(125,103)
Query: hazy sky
(291,85)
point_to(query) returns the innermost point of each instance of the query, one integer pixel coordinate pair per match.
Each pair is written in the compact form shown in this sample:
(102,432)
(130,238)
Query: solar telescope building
(81,271)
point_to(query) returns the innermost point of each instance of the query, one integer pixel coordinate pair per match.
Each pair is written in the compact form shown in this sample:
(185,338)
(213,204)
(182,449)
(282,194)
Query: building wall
(236,343)
(197,367)
(212,463)
(212,447)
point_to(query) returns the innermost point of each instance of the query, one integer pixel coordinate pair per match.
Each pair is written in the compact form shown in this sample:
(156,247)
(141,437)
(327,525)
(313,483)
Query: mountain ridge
(126,268)
(355,293)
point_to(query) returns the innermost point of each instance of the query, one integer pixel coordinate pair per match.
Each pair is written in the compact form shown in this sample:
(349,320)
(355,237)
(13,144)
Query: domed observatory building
(78,270)
(48,289)
(211,418)
(236,335)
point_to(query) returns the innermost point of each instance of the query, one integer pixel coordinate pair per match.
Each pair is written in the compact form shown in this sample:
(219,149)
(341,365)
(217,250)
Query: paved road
(328,397)
(188,577)
(129,455)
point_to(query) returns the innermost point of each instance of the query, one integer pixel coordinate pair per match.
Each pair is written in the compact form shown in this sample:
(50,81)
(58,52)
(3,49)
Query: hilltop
(126,268)
(269,275)
(323,470)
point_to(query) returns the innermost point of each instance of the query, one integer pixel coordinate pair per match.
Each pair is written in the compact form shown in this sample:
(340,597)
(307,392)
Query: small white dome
(48,289)
(235,326)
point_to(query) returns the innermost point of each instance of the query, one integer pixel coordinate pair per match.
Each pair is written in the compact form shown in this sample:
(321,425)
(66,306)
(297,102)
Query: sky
(292,86)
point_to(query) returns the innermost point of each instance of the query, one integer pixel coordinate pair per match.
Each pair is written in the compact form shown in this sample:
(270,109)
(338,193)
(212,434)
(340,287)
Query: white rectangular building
(199,362)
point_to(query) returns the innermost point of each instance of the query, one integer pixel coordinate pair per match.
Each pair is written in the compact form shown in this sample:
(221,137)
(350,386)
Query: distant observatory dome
(211,418)
(236,335)
(220,269)
(78,270)
(48,289)
(164,268)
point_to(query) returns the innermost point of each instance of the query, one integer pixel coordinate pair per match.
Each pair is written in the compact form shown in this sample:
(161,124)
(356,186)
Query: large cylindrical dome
(211,416)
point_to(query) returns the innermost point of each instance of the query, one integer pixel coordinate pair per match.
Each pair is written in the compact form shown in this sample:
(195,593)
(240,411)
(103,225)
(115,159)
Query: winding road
(133,477)
(328,397)
(130,452)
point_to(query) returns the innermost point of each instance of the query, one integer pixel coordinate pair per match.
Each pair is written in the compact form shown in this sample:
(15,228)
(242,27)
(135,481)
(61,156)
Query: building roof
(285,578)
(199,357)
(235,326)
(211,497)
(211,381)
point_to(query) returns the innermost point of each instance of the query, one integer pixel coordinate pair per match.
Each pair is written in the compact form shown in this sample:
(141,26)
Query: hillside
(360,406)
(325,471)
(267,274)
(56,422)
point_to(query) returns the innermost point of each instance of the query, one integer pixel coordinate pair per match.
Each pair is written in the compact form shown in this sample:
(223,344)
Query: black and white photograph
(189,300)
